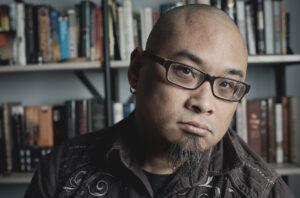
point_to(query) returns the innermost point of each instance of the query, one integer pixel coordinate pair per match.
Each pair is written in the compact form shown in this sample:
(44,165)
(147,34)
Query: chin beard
(186,155)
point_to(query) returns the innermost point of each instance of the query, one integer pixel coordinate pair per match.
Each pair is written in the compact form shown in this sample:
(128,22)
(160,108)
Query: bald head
(199,18)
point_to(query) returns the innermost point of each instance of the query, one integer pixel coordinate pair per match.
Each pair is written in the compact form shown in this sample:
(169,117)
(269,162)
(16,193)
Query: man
(177,142)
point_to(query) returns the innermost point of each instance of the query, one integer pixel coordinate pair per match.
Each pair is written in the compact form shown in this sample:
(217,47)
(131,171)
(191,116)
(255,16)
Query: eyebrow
(198,60)
(189,55)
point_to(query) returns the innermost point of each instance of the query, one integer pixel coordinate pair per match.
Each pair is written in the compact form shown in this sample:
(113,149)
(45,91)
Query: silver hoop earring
(132,90)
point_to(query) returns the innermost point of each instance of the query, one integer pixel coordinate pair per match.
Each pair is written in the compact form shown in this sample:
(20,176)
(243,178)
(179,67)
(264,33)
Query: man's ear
(136,62)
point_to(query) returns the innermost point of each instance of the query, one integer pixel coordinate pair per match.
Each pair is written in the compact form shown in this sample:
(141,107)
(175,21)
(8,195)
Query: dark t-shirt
(157,181)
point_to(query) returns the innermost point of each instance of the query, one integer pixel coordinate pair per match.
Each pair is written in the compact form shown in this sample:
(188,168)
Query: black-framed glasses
(188,77)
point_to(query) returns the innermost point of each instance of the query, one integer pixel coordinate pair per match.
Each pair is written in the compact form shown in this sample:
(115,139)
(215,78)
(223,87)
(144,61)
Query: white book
(241,120)
(20,37)
(269,26)
(279,133)
(121,33)
(72,34)
(128,28)
(148,23)
(118,112)
(241,18)
(250,30)
(277,27)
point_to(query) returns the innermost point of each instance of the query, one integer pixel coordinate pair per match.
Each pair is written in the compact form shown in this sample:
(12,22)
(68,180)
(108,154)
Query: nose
(201,100)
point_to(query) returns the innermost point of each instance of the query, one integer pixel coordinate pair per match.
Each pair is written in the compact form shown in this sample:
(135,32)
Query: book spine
(45,137)
(20,37)
(85,28)
(72,34)
(81,117)
(241,18)
(99,56)
(59,124)
(263,129)
(118,111)
(128,28)
(285,127)
(279,133)
(63,37)
(293,129)
(98,114)
(250,30)
(283,27)
(31,50)
(31,116)
(254,125)
(277,25)
(121,33)
(260,26)
(44,34)
(271,131)
(8,139)
(71,118)
(56,56)
(269,29)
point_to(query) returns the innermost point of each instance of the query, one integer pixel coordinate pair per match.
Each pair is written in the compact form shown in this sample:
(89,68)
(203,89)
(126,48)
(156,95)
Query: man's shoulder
(253,167)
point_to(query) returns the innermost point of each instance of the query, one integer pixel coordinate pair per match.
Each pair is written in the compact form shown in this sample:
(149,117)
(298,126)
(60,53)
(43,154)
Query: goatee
(185,156)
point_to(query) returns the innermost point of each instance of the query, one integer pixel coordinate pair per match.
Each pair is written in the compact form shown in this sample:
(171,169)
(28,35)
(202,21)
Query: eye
(182,70)
(226,84)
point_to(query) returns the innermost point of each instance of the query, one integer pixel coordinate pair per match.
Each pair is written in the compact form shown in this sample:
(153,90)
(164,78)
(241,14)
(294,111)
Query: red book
(254,125)
(98,34)
(45,137)
(285,127)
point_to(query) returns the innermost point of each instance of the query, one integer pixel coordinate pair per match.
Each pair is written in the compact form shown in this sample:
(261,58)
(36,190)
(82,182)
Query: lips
(196,128)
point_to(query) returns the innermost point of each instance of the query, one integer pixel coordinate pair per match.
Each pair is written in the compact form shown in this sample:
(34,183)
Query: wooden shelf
(274,59)
(67,66)
(75,66)
(16,178)
(25,178)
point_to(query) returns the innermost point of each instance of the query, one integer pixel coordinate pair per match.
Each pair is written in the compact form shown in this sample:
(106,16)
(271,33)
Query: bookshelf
(67,66)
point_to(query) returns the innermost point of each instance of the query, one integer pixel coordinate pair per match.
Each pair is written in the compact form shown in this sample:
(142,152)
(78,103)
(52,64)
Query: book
(264,129)
(45,135)
(4,18)
(126,44)
(31,33)
(229,8)
(98,114)
(293,129)
(44,34)
(55,41)
(63,37)
(127,109)
(71,118)
(283,27)
(59,124)
(254,125)
(241,120)
(260,26)
(146,24)
(31,117)
(269,26)
(81,117)
(85,29)
(8,136)
(98,35)
(20,35)
(277,27)
(271,134)
(279,133)
(285,127)
(241,19)
(92,32)
(250,30)
(117,112)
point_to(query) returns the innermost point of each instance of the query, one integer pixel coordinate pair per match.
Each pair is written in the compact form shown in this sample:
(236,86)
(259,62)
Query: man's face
(194,119)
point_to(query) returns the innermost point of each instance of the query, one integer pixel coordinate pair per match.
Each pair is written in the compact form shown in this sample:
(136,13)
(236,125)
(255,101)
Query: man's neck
(157,164)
